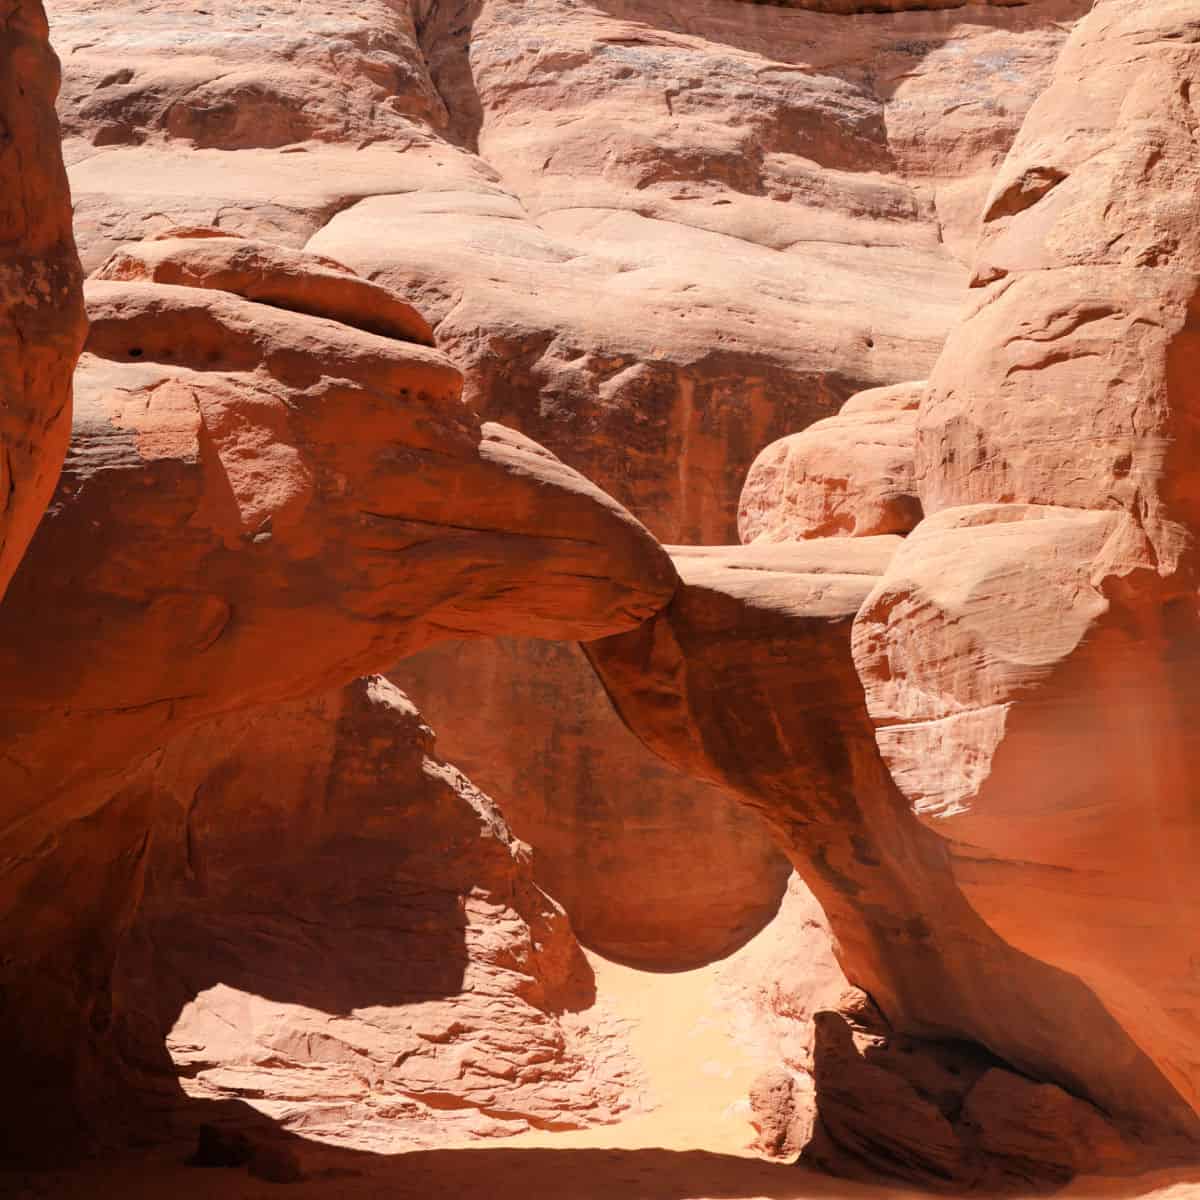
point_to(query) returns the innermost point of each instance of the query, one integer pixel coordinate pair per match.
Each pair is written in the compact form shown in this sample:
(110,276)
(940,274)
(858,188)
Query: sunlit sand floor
(692,1146)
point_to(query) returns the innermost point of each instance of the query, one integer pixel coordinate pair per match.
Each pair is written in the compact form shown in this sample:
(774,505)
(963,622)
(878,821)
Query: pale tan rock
(230,77)
(749,197)
(846,476)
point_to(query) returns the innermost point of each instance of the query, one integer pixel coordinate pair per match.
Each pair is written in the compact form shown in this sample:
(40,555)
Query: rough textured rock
(655,242)
(257,505)
(658,244)
(846,476)
(209,258)
(655,868)
(753,206)
(777,196)
(339,929)
(747,679)
(1030,655)
(41,306)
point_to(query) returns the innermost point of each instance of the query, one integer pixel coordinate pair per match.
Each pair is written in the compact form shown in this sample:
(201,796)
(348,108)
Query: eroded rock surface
(846,476)
(747,679)
(655,241)
(41,306)
(257,504)
(657,245)
(340,930)
(656,868)
(1029,657)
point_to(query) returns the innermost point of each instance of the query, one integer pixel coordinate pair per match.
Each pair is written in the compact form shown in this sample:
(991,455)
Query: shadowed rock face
(657,868)
(275,486)
(339,929)
(41,308)
(258,503)
(747,679)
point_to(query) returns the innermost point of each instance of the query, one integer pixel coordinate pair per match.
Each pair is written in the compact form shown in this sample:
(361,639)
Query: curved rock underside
(655,244)
(952,669)
(258,504)
(1030,656)
(1027,653)
(657,869)
(41,308)
(747,679)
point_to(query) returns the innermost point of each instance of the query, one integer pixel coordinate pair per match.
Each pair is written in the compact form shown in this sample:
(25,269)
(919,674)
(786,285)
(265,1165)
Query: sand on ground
(692,1146)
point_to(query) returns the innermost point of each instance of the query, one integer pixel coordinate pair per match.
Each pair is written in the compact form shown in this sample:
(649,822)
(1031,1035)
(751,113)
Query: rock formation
(1039,618)
(41,308)
(340,929)
(849,475)
(747,679)
(654,244)
(951,666)
(258,504)
(1029,655)
(655,867)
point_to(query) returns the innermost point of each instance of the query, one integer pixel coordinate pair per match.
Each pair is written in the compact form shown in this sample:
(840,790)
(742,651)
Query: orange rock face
(258,502)
(847,476)
(747,679)
(1029,655)
(655,245)
(655,867)
(41,308)
(952,668)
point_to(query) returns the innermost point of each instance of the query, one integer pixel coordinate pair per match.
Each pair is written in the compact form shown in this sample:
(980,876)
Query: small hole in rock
(136,352)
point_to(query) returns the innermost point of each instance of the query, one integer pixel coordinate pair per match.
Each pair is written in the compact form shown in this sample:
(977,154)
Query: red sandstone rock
(339,930)
(664,384)
(747,679)
(1037,1123)
(656,868)
(875,1121)
(654,243)
(773,1103)
(257,504)
(713,224)
(270,275)
(41,308)
(1029,657)
(849,475)
(764,207)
